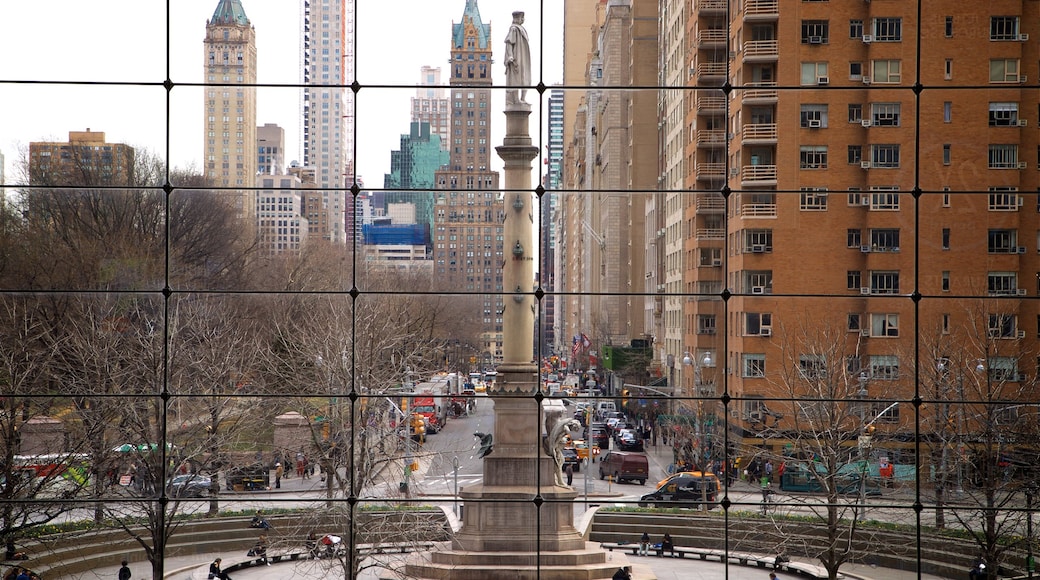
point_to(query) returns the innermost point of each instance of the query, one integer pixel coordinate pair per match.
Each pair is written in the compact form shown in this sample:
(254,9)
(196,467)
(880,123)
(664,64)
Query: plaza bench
(743,559)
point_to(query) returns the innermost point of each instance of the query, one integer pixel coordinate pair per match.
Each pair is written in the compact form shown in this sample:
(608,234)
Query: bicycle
(768,504)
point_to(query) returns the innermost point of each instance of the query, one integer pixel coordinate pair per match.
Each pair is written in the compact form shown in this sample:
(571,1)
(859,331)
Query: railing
(761,8)
(711,69)
(711,137)
(710,170)
(712,5)
(758,132)
(761,91)
(712,35)
(761,48)
(759,173)
(710,234)
(758,210)
(710,203)
(711,102)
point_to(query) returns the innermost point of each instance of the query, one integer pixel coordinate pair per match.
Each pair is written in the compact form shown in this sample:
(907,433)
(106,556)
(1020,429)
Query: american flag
(575,346)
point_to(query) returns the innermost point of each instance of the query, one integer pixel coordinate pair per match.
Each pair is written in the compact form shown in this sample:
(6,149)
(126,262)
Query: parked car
(684,489)
(248,478)
(189,485)
(624,466)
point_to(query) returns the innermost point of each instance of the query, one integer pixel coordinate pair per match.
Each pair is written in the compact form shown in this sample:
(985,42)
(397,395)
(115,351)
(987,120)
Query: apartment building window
(946,154)
(853,280)
(886,71)
(1002,326)
(948,112)
(857,198)
(758,323)
(855,154)
(1004,70)
(948,28)
(1002,283)
(884,282)
(1003,156)
(853,238)
(884,367)
(758,241)
(884,325)
(812,367)
(813,156)
(813,72)
(946,281)
(856,29)
(886,156)
(948,69)
(884,239)
(814,116)
(856,70)
(813,199)
(885,114)
(754,365)
(1002,241)
(815,31)
(888,29)
(758,281)
(706,324)
(945,238)
(1004,199)
(1003,27)
(853,323)
(1003,114)
(855,112)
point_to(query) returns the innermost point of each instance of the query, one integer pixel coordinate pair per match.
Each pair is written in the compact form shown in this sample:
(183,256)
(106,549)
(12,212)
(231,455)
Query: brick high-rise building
(230,104)
(432,105)
(467,237)
(85,159)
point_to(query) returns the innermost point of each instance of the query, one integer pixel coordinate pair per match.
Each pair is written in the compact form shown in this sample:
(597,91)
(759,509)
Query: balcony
(710,233)
(758,176)
(710,171)
(711,138)
(711,69)
(758,210)
(761,51)
(761,10)
(710,203)
(758,133)
(759,94)
(712,6)
(708,104)
(712,38)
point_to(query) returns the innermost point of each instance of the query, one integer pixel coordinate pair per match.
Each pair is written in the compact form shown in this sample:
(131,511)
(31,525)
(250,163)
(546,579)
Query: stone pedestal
(292,433)
(42,436)
(517,524)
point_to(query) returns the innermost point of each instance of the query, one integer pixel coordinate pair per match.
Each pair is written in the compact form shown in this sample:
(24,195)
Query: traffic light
(624,397)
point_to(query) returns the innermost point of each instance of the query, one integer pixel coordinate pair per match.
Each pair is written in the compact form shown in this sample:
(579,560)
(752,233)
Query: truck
(432,398)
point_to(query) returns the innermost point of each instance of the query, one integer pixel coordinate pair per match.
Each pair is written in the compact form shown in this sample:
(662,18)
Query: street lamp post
(455,498)
(700,430)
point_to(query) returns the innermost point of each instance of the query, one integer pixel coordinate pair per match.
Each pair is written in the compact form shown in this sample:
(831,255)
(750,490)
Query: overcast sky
(125,41)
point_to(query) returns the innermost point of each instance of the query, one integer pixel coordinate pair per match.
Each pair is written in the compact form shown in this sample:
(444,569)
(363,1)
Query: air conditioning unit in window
(1020,292)
(864,164)
(1021,201)
(717,262)
(815,123)
(1023,37)
(758,289)
(1022,79)
(734,171)
(823,80)
(758,249)
(1020,377)
(865,200)
(865,290)
(864,122)
(1023,123)
(765,331)
(864,332)
(815,40)
(866,80)
(868,38)
(1020,250)
(1021,334)
(865,249)
(1022,165)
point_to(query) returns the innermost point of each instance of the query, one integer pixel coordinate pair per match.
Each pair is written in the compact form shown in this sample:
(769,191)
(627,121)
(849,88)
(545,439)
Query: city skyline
(110,87)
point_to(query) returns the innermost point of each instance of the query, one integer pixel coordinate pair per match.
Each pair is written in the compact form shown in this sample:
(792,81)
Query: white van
(605,407)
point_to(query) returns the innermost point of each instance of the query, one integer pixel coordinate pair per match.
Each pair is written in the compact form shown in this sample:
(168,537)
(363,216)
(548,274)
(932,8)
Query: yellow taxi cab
(582,449)
(480,387)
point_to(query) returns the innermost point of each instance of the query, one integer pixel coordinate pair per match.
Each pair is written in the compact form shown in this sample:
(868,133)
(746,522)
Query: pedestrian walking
(644,545)
(769,472)
(300,465)
(278,471)
(124,571)
(569,471)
